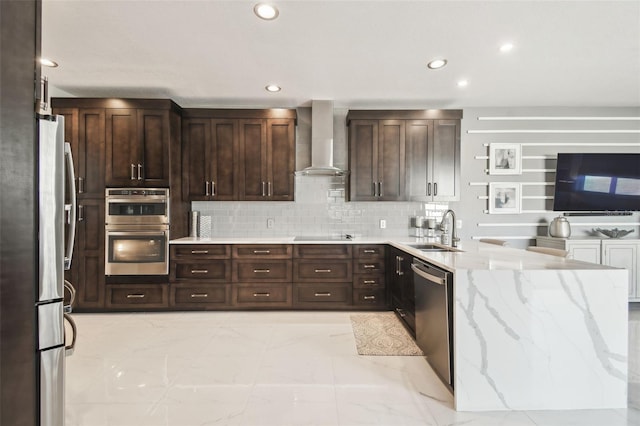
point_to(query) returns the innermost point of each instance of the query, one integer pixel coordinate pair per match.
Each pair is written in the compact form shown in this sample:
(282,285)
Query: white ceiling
(358,53)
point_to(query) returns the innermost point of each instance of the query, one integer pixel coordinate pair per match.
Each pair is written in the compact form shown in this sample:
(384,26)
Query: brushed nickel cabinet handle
(435,189)
(199,251)
(135,296)
(199,271)
(400,260)
(261,271)
(261,294)
(326,294)
(199,295)
(261,251)
(133,171)
(80,213)
(263,193)
(323,271)
(213,188)
(429,188)
(369,298)
(269,189)
(369,281)
(375,193)
(379,189)
(80,185)
(139,171)
(206,188)
(369,266)
(369,251)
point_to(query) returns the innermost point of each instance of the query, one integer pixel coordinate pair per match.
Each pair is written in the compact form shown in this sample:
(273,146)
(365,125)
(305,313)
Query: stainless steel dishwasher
(434,317)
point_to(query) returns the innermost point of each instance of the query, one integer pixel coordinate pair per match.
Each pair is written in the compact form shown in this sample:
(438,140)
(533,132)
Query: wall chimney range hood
(322,141)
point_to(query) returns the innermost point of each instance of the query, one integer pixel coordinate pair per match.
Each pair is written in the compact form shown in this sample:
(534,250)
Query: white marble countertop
(470,254)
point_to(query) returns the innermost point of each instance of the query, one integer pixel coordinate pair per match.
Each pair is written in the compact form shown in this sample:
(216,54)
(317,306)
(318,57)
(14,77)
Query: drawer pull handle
(369,298)
(369,266)
(135,296)
(324,271)
(369,281)
(199,295)
(369,251)
(261,271)
(199,251)
(327,294)
(261,294)
(199,271)
(261,251)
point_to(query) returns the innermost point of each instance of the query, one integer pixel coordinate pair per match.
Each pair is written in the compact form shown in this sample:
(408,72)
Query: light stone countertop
(471,255)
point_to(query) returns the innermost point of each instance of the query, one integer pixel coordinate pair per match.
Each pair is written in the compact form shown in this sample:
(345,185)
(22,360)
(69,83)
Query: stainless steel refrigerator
(55,173)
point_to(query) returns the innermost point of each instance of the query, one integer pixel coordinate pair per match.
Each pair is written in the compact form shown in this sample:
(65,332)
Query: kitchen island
(530,331)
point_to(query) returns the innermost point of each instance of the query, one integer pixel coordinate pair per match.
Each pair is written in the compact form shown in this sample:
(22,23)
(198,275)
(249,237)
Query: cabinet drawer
(368,266)
(253,251)
(256,295)
(200,251)
(137,296)
(262,271)
(322,270)
(364,297)
(201,296)
(322,251)
(213,270)
(322,294)
(368,281)
(368,251)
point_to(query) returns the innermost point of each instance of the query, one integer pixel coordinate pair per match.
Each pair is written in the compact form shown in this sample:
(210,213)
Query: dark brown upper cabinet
(411,155)
(238,155)
(210,159)
(137,142)
(377,160)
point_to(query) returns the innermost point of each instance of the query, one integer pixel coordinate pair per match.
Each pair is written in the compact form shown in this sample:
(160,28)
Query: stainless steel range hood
(322,141)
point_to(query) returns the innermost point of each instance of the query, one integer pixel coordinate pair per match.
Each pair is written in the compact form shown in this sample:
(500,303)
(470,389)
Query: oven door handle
(137,233)
(148,199)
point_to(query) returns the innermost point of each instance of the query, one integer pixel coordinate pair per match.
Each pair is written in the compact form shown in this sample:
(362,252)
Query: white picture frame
(505,159)
(504,198)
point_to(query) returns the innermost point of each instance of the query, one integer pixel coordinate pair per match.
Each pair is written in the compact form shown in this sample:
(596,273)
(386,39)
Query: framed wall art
(505,159)
(504,198)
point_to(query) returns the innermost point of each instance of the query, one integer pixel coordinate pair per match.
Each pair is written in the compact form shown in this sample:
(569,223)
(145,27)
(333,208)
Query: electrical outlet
(270,223)
(383,223)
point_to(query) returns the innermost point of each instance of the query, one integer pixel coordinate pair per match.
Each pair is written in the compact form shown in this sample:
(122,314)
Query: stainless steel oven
(137,231)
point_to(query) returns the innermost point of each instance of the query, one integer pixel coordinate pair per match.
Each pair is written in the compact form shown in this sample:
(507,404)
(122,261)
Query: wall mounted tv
(597,183)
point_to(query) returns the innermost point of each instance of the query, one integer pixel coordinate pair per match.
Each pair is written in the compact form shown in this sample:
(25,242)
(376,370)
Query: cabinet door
(88,260)
(280,159)
(90,155)
(584,252)
(153,139)
(391,160)
(123,149)
(253,151)
(445,165)
(418,150)
(363,160)
(623,255)
(224,160)
(195,165)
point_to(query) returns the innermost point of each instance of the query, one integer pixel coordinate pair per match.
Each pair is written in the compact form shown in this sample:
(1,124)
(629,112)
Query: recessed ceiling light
(463,83)
(507,47)
(265,11)
(437,63)
(273,88)
(48,63)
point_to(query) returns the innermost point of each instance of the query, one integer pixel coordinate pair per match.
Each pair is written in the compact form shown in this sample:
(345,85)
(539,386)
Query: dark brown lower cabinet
(200,296)
(257,295)
(321,295)
(137,296)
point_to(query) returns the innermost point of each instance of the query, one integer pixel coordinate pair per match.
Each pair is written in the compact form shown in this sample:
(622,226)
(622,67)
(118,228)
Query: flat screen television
(597,183)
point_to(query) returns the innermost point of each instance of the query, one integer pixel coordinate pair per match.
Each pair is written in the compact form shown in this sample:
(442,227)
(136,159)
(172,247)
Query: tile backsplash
(320,209)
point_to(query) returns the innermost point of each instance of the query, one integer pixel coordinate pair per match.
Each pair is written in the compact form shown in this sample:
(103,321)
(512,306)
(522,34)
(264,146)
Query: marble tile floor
(272,368)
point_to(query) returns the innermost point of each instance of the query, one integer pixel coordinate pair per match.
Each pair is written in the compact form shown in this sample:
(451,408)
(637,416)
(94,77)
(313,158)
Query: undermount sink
(430,247)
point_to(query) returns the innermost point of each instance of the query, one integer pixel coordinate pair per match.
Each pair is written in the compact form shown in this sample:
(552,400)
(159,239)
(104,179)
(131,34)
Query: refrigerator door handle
(68,349)
(74,203)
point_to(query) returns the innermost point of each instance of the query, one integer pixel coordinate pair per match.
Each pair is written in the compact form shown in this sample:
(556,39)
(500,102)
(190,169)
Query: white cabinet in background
(619,253)
(623,254)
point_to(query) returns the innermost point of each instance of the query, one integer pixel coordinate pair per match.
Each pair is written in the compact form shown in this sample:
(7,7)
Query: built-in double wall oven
(137,231)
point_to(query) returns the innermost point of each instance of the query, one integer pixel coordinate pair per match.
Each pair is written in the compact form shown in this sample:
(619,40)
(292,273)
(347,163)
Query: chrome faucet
(454,235)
